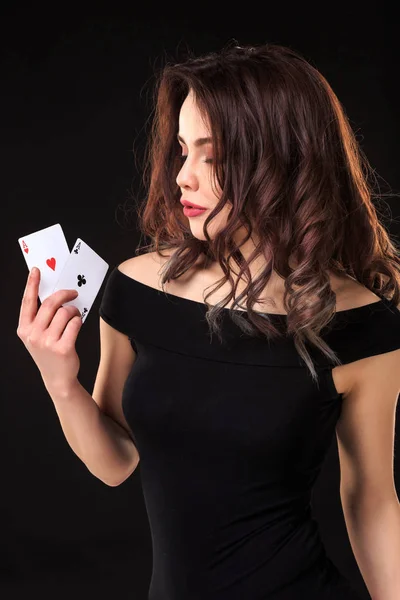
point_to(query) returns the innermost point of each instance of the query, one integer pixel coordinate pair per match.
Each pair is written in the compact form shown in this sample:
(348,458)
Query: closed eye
(182,158)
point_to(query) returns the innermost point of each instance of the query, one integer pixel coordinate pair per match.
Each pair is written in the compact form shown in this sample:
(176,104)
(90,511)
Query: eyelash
(181,157)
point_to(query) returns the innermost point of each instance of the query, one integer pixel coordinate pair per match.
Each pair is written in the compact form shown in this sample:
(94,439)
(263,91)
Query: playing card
(85,272)
(48,250)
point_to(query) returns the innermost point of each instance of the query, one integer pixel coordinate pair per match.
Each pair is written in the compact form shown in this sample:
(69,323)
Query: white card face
(48,250)
(85,272)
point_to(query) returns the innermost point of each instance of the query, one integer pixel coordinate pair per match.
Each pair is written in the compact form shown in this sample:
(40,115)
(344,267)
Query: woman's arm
(374,534)
(101,443)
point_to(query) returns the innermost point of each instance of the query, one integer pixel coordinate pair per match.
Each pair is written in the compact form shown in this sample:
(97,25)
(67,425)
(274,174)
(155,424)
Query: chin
(199,236)
(197,230)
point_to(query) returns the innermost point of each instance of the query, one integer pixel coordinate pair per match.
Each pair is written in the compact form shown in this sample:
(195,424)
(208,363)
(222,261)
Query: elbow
(367,502)
(126,476)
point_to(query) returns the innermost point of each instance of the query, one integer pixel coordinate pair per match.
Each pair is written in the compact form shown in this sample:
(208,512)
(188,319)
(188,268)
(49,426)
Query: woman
(231,431)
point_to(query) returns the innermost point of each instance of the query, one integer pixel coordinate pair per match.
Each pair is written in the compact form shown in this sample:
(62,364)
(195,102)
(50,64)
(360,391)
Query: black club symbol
(81,280)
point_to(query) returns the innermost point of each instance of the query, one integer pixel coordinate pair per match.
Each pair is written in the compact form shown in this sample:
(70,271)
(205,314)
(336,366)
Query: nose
(186,177)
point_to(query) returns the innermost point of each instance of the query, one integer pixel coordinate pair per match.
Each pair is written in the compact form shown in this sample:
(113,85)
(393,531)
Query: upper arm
(366,429)
(117,355)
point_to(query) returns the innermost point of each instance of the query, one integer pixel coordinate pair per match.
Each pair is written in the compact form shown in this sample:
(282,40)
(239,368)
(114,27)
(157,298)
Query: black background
(76,96)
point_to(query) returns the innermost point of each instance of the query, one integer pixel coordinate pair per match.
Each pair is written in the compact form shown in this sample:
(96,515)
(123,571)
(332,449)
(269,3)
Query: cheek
(218,223)
(214,188)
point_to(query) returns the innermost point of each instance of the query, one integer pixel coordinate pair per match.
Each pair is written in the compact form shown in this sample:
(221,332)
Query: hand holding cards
(82,269)
(49,334)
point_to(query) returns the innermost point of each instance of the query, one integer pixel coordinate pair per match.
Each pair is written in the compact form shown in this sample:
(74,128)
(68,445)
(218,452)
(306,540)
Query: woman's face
(195,176)
(195,182)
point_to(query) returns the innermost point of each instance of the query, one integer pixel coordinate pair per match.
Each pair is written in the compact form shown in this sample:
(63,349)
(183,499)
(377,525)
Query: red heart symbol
(51,262)
(26,249)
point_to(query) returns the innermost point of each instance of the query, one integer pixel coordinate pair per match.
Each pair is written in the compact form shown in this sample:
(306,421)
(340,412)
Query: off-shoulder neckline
(355,310)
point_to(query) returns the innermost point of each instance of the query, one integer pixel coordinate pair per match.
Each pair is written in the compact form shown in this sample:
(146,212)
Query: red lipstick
(191,204)
(192,210)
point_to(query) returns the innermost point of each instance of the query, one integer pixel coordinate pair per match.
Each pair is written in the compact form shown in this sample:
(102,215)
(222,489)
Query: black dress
(232,437)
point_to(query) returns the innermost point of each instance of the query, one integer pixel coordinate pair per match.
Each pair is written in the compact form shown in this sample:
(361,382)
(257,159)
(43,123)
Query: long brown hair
(290,167)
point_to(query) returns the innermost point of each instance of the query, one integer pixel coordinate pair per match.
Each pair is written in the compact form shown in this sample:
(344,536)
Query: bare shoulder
(352,294)
(145,268)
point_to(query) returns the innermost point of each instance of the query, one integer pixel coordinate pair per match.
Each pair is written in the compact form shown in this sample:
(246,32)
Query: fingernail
(33,271)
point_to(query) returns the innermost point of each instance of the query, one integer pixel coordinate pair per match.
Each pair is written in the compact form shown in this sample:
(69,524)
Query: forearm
(102,444)
(374,534)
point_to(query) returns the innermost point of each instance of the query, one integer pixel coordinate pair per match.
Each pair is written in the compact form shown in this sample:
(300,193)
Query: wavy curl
(288,161)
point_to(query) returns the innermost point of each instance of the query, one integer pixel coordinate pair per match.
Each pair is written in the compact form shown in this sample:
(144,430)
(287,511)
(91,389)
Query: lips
(189,204)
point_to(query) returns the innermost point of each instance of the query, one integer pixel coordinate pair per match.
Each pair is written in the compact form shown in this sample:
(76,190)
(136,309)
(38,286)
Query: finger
(50,306)
(70,333)
(63,315)
(29,305)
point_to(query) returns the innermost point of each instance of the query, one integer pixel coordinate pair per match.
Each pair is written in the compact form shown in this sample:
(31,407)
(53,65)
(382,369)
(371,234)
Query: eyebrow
(199,142)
